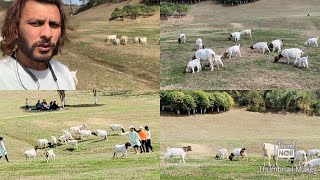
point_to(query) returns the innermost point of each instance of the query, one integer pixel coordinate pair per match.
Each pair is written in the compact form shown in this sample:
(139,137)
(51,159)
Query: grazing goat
(182,39)
(193,64)
(311,42)
(205,54)
(50,155)
(312,163)
(235,36)
(300,155)
(246,33)
(181,152)
(121,148)
(199,43)
(276,44)
(222,153)
(110,38)
(303,61)
(260,45)
(238,152)
(231,50)
(31,154)
(294,53)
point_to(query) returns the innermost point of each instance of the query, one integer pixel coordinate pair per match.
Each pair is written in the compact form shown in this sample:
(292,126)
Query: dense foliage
(168,9)
(87,4)
(258,101)
(195,101)
(133,11)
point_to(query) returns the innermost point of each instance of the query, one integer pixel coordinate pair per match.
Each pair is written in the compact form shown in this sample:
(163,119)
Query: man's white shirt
(14,77)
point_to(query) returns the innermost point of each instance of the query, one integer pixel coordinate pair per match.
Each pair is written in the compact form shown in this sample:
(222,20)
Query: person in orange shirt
(143,137)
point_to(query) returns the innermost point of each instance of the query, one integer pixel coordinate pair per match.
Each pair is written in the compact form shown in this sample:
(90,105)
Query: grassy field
(237,128)
(92,159)
(105,66)
(213,23)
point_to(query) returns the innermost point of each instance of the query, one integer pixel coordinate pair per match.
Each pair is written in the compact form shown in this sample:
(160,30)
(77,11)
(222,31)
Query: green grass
(210,168)
(214,31)
(92,159)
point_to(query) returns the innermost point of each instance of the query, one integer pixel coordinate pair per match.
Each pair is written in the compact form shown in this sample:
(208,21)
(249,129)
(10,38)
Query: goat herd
(269,151)
(207,54)
(124,40)
(78,132)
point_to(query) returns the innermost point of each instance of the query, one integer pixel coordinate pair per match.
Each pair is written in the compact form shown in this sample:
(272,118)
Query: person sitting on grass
(44,105)
(38,105)
(54,106)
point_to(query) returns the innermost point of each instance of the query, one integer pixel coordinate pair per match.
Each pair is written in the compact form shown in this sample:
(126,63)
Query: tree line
(169,9)
(187,101)
(87,4)
(195,101)
(133,11)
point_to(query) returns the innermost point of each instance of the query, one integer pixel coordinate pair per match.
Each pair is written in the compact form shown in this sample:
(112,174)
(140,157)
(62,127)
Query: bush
(256,101)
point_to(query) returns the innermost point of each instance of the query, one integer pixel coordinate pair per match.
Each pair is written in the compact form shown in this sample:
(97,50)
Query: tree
(189,103)
(177,100)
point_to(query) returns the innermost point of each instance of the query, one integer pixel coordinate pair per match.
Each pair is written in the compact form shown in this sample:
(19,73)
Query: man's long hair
(9,30)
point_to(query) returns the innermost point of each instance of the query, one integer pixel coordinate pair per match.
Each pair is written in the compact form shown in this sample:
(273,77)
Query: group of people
(140,139)
(43,105)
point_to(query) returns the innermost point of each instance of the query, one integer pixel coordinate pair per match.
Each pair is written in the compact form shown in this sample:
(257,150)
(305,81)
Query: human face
(38,33)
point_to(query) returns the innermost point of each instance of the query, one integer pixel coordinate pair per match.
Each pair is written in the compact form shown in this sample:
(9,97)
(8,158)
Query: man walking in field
(33,32)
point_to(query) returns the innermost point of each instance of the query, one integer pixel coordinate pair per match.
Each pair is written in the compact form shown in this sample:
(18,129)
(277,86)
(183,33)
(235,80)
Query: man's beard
(30,52)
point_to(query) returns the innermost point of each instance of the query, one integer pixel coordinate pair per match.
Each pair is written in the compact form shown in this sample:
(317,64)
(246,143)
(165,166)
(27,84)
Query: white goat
(235,36)
(31,154)
(116,41)
(76,129)
(199,43)
(117,127)
(50,155)
(300,156)
(303,61)
(136,39)
(111,38)
(124,40)
(270,150)
(84,133)
(246,33)
(276,44)
(311,42)
(101,134)
(205,54)
(53,141)
(217,59)
(62,139)
(312,163)
(231,50)
(66,134)
(313,152)
(42,143)
(74,143)
(294,53)
(192,65)
(121,148)
(181,152)
(182,38)
(261,45)
(239,152)
(222,153)
(143,40)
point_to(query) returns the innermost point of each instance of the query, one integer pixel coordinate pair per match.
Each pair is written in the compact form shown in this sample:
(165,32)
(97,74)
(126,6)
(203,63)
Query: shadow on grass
(70,149)
(65,107)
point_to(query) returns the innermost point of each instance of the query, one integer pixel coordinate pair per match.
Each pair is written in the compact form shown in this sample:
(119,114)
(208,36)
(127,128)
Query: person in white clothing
(148,143)
(3,150)
(134,138)
(34,31)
